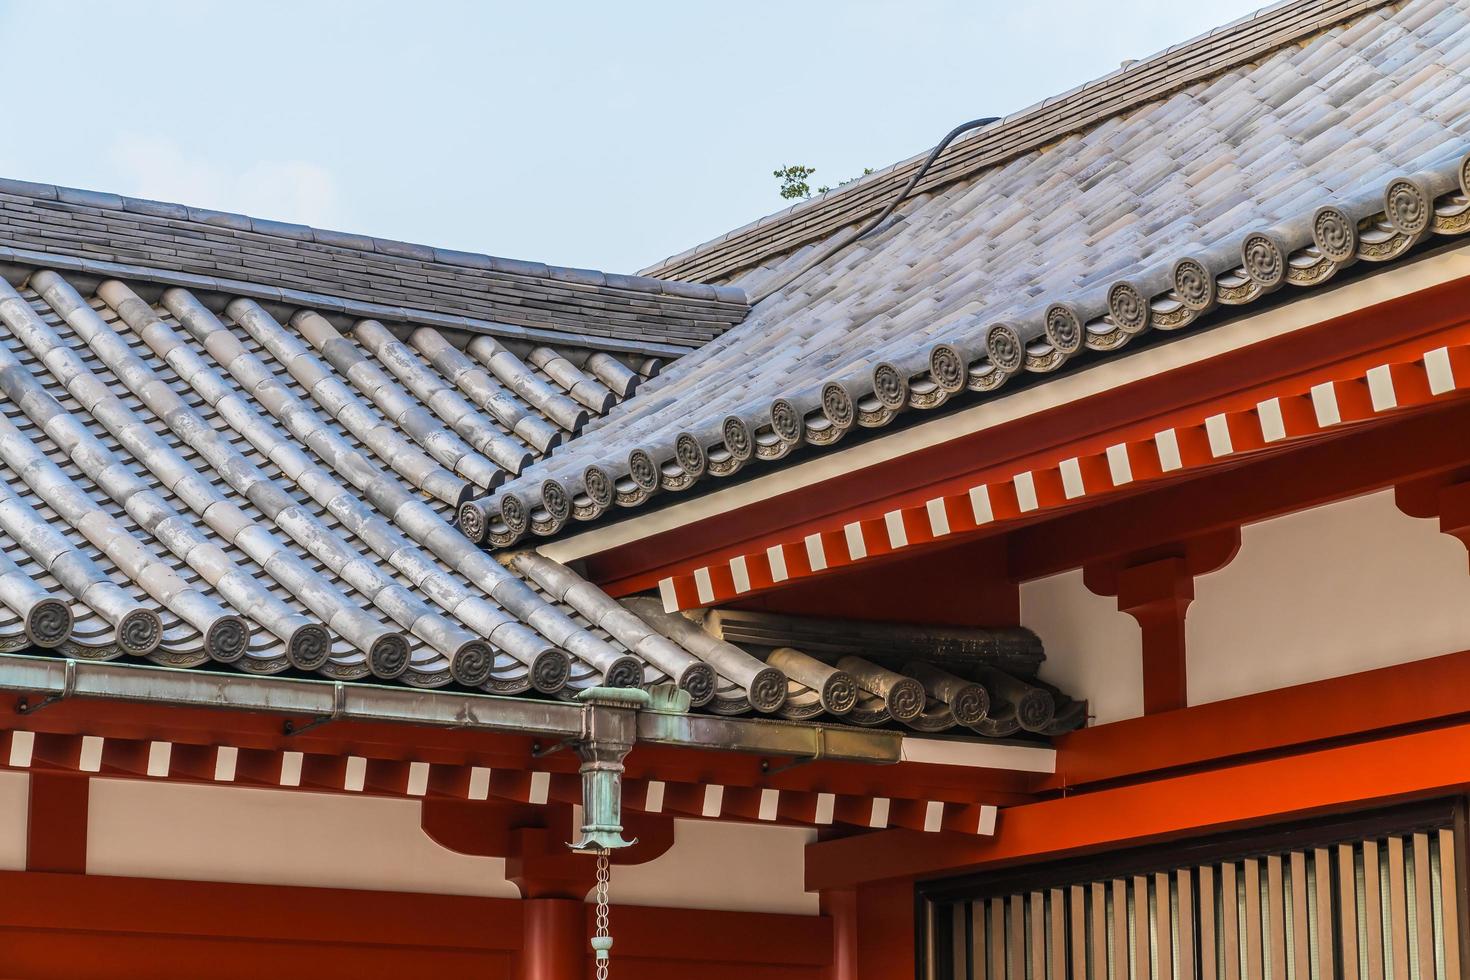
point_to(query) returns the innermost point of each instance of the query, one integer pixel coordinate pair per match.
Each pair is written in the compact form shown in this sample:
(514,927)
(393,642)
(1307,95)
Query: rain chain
(602,939)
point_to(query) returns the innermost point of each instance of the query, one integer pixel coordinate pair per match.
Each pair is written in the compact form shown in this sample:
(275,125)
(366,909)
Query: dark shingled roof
(507,297)
(1268,155)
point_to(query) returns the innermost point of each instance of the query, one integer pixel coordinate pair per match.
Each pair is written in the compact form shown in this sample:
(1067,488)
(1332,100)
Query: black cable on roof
(873,225)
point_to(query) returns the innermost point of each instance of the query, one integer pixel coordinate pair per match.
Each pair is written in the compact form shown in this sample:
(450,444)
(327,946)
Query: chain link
(604,873)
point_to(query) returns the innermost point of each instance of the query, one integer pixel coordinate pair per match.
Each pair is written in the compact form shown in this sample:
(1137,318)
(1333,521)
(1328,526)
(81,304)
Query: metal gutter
(56,679)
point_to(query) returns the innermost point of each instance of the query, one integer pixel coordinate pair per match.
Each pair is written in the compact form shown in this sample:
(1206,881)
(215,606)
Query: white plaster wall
(730,867)
(1092,650)
(15,789)
(1334,590)
(276,837)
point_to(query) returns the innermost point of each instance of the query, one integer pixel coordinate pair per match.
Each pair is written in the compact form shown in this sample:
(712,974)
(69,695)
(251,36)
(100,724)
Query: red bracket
(535,839)
(1155,587)
(1446,497)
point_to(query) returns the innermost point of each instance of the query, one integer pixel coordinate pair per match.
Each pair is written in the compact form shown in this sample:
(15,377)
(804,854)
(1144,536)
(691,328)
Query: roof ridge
(1242,40)
(44,224)
(330,305)
(351,240)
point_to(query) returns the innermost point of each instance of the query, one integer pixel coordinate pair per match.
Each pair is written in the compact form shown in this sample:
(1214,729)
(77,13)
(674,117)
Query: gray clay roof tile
(1085,202)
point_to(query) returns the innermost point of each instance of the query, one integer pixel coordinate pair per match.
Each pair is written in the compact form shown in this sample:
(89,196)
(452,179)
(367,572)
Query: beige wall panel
(1334,590)
(15,788)
(275,837)
(729,867)
(1092,650)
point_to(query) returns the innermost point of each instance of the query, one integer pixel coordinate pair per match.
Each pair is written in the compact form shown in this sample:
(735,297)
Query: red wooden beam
(967,586)
(1421,692)
(1188,445)
(75,926)
(1374,457)
(1418,765)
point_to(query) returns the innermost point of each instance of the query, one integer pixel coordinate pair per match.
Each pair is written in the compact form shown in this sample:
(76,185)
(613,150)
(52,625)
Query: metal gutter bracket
(339,709)
(68,688)
(609,729)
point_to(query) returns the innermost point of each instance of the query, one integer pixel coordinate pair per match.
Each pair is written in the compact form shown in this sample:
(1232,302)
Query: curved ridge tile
(339,402)
(402,511)
(580,387)
(520,379)
(447,405)
(763,685)
(463,373)
(340,613)
(688,671)
(393,402)
(82,577)
(48,619)
(467,654)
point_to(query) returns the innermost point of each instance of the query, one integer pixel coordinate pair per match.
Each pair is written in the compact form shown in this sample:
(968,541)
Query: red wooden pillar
(56,832)
(554,939)
(1155,588)
(885,930)
(872,930)
(840,905)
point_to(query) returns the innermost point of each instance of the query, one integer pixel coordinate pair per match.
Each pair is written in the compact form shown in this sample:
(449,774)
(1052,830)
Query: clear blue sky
(603,135)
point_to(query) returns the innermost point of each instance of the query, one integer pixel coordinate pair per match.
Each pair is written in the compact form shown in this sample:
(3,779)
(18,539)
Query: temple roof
(207,480)
(1269,155)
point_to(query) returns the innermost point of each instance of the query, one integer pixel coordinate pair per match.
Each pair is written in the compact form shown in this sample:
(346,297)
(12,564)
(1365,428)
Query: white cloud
(284,190)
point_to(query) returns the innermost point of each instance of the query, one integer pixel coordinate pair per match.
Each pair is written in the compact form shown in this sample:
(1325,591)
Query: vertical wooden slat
(977,941)
(1347,923)
(931,959)
(997,939)
(959,942)
(1373,910)
(1057,953)
(1142,968)
(1016,939)
(1257,917)
(1036,941)
(1423,908)
(1449,903)
(1122,952)
(1099,932)
(1322,874)
(1230,910)
(1079,933)
(1398,910)
(1184,880)
(1254,962)
(1163,928)
(1301,938)
(1207,940)
(1276,916)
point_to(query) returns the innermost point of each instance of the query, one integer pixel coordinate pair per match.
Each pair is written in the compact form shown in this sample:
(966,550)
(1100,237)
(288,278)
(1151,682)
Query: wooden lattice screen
(1385,908)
